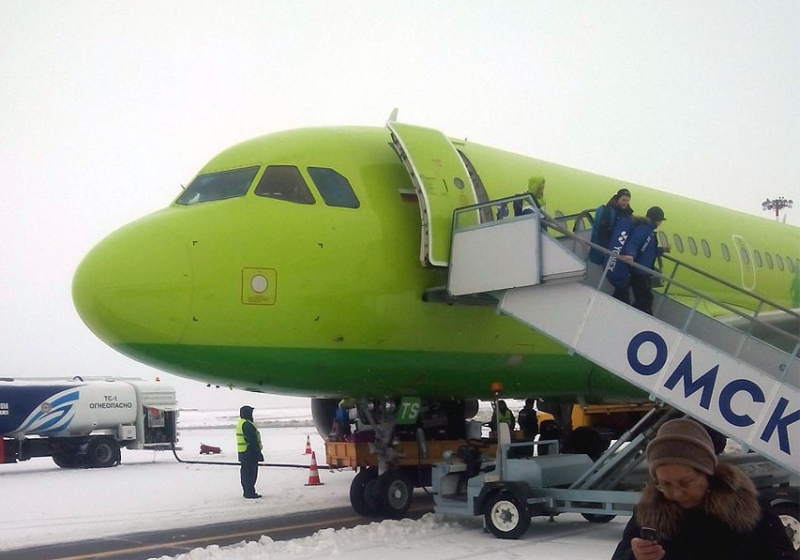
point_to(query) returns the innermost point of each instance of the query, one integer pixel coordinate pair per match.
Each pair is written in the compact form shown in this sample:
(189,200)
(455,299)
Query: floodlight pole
(778,204)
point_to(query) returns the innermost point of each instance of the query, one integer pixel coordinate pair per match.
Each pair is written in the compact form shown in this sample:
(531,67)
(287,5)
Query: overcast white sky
(107,108)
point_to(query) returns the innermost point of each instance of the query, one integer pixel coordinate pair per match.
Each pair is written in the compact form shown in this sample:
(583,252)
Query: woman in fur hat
(700,509)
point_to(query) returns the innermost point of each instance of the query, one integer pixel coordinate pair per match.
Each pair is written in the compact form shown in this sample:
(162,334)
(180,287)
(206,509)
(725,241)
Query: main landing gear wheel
(506,516)
(363,493)
(395,492)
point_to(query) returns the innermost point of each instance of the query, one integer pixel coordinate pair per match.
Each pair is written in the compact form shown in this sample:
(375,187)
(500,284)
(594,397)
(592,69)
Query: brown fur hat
(684,442)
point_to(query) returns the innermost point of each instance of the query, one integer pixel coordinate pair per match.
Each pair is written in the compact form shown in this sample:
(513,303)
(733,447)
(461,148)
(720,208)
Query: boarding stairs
(743,382)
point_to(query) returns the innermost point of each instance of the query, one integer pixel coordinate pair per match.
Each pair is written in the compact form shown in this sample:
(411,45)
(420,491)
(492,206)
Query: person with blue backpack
(606,219)
(642,248)
(618,272)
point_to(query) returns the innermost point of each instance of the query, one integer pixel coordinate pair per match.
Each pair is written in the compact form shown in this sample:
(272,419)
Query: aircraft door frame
(441,180)
(746,264)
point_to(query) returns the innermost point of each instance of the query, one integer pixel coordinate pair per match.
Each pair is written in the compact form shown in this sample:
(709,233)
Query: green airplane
(302,263)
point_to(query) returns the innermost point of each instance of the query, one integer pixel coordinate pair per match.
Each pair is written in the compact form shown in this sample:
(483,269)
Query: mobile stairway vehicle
(741,382)
(511,488)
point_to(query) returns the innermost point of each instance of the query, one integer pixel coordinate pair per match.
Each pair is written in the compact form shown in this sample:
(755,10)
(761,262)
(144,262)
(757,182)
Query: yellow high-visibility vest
(241,444)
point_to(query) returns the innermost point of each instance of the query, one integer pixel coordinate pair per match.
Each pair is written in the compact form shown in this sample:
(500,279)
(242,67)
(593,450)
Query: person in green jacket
(248,444)
(503,414)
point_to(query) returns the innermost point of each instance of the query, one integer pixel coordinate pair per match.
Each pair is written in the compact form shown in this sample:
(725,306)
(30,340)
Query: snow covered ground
(43,504)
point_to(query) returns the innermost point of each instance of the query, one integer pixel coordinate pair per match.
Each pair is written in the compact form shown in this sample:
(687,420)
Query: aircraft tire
(102,452)
(790,517)
(363,493)
(506,516)
(395,493)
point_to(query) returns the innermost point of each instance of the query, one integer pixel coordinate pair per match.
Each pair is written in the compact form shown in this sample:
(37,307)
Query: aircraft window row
(284,182)
(218,186)
(759,259)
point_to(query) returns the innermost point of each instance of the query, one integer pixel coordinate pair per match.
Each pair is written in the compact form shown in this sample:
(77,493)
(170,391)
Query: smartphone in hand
(649,534)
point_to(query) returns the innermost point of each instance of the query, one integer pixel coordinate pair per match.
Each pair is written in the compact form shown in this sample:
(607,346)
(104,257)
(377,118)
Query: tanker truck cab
(83,422)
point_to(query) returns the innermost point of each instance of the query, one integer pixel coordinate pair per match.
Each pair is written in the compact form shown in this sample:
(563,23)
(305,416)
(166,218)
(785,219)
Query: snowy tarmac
(43,504)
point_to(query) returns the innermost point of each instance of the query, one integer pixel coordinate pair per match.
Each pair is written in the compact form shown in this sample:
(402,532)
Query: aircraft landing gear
(364,494)
(388,495)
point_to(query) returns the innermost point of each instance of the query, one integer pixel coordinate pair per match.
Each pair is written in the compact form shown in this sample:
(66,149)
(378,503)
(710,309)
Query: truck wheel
(102,452)
(506,517)
(68,460)
(363,492)
(788,514)
(395,492)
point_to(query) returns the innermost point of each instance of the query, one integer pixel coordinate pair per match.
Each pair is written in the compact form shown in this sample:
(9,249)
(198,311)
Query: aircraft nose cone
(134,287)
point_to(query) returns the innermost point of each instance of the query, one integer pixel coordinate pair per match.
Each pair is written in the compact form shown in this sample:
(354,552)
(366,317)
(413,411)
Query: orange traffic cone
(308,446)
(313,474)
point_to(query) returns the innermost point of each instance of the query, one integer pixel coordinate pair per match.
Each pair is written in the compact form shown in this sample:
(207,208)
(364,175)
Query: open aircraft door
(442,183)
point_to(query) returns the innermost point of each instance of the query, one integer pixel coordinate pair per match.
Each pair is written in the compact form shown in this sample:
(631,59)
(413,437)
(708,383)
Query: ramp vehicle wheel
(507,517)
(788,514)
(363,492)
(395,492)
(102,452)
(597,517)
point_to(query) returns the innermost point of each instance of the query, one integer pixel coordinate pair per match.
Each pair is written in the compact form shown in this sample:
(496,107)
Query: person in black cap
(642,248)
(697,507)
(248,445)
(606,218)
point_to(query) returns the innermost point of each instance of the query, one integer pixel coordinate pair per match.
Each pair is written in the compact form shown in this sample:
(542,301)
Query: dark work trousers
(249,475)
(623,293)
(642,293)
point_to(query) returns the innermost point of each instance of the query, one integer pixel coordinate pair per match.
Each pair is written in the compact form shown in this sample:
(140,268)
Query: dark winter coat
(642,245)
(606,218)
(732,525)
(618,271)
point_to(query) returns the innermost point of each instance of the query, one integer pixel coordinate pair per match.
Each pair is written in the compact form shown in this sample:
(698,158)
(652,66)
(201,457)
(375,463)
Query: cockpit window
(334,187)
(218,186)
(284,182)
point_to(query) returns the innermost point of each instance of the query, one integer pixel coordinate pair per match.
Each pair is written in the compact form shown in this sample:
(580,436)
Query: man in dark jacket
(248,444)
(642,248)
(699,508)
(528,421)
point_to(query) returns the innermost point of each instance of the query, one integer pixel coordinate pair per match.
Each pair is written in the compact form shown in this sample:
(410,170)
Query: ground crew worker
(503,414)
(248,444)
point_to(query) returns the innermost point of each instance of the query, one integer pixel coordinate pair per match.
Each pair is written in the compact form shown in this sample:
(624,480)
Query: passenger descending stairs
(727,378)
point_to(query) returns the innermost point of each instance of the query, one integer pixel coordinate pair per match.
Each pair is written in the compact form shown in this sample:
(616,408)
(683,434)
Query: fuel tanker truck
(84,422)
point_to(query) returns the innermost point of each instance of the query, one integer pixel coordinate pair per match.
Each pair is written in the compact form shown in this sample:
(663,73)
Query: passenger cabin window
(744,255)
(692,245)
(218,186)
(334,187)
(757,258)
(726,254)
(284,182)
(768,258)
(780,261)
(790,264)
(706,248)
(663,240)
(678,243)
